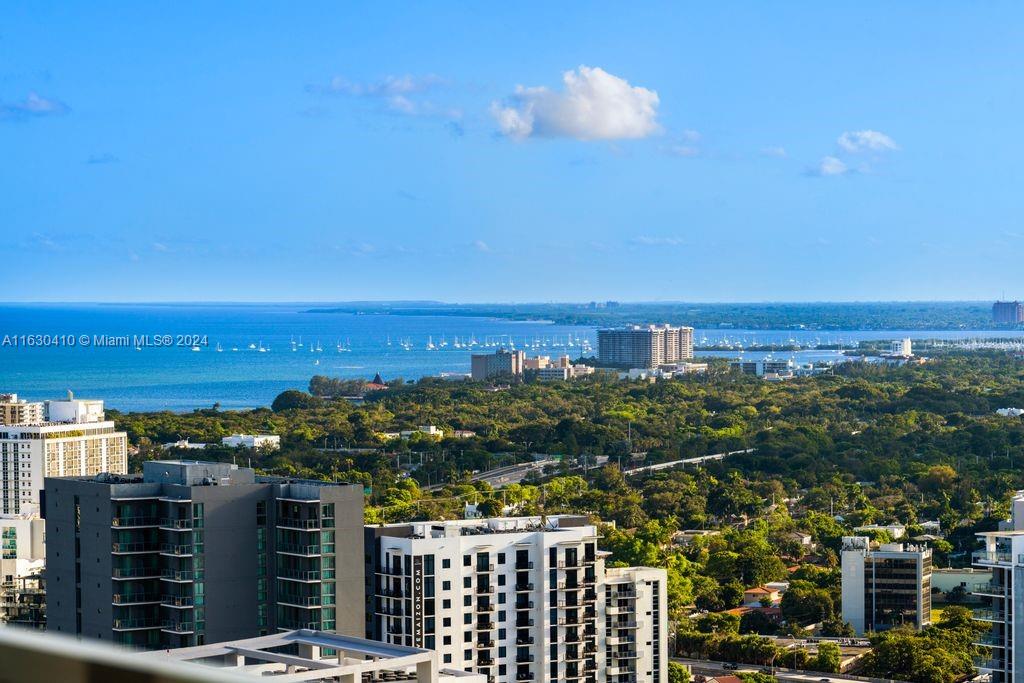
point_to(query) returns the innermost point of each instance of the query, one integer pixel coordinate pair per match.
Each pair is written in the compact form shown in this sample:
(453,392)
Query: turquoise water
(178,378)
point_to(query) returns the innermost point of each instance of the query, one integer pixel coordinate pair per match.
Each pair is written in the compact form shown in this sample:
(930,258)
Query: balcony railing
(135,572)
(996,557)
(178,600)
(295,523)
(118,548)
(176,575)
(179,550)
(179,626)
(990,589)
(307,575)
(298,549)
(132,624)
(175,524)
(134,521)
(134,598)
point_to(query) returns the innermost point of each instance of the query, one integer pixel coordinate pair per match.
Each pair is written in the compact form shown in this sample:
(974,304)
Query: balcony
(524,604)
(135,624)
(990,640)
(484,644)
(987,557)
(524,676)
(184,576)
(132,548)
(299,524)
(138,522)
(487,607)
(136,598)
(394,612)
(183,627)
(524,659)
(485,625)
(484,661)
(989,664)
(124,573)
(524,623)
(629,625)
(304,576)
(484,590)
(524,587)
(524,565)
(624,654)
(177,550)
(484,568)
(298,549)
(986,614)
(525,641)
(173,524)
(178,601)
(994,590)
(304,601)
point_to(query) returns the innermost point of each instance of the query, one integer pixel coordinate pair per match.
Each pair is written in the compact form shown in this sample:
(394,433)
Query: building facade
(1010,312)
(516,599)
(15,411)
(1002,596)
(192,552)
(22,553)
(501,363)
(74,439)
(647,346)
(885,586)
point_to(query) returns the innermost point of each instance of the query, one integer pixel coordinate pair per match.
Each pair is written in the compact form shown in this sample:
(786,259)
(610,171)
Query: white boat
(300,341)
(196,348)
(219,349)
(430,343)
(234,348)
(318,347)
(252,346)
(316,362)
(261,349)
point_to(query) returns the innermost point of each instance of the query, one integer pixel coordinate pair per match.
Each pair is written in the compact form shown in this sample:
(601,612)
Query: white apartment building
(901,347)
(73,440)
(1003,597)
(267,441)
(517,599)
(22,553)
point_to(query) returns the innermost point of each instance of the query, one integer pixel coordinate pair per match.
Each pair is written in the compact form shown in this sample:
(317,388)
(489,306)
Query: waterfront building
(190,552)
(72,439)
(885,586)
(268,442)
(1002,555)
(1008,312)
(644,346)
(517,599)
(763,367)
(901,348)
(501,363)
(15,411)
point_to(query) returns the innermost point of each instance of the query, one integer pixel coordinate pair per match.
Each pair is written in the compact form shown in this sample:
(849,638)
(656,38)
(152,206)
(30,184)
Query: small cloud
(161,247)
(685,151)
(777,152)
(829,166)
(481,246)
(593,105)
(105,158)
(649,241)
(402,95)
(866,141)
(33,106)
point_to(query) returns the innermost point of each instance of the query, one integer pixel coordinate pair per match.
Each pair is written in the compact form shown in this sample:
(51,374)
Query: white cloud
(778,152)
(33,106)
(160,246)
(649,241)
(399,94)
(830,166)
(866,141)
(481,246)
(594,105)
(682,150)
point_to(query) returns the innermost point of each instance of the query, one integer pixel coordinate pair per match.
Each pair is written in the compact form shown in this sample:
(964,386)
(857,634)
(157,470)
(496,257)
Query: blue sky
(511,151)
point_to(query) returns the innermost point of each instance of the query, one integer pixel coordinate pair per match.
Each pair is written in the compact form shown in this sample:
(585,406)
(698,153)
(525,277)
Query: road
(685,461)
(503,476)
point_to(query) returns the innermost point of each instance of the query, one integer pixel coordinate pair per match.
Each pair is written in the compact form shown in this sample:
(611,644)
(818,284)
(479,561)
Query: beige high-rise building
(644,346)
(15,411)
(73,438)
(501,363)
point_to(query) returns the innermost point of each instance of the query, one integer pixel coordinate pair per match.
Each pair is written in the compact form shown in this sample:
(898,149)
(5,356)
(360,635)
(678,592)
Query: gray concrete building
(193,552)
(885,586)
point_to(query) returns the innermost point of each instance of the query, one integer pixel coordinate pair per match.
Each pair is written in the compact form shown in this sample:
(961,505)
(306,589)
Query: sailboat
(318,347)
(261,349)
(430,343)
(300,341)
(219,349)
(389,340)
(253,346)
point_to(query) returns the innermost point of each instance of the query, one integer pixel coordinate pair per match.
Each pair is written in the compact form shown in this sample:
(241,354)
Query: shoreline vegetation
(939,315)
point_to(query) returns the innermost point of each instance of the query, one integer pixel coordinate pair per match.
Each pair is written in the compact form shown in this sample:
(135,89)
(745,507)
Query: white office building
(886,585)
(517,599)
(74,439)
(1003,597)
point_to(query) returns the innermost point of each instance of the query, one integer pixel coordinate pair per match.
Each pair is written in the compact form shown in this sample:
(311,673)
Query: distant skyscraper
(647,346)
(1008,312)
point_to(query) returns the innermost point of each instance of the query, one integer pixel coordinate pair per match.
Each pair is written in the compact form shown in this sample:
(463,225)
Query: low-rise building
(270,442)
(764,367)
(884,586)
(895,531)
(422,430)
